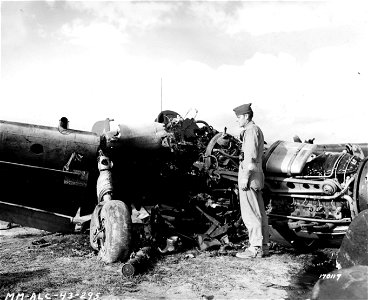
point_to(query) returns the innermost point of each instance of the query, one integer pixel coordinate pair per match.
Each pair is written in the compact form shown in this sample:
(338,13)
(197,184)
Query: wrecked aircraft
(180,171)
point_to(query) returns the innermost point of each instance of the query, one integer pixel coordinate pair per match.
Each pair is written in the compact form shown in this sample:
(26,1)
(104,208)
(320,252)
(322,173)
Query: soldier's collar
(249,125)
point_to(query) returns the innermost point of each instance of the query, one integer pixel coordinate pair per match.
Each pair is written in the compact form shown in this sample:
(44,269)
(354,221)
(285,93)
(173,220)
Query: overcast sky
(303,65)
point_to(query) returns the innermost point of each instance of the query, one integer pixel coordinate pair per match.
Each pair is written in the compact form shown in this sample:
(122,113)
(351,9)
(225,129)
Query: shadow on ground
(322,261)
(12,278)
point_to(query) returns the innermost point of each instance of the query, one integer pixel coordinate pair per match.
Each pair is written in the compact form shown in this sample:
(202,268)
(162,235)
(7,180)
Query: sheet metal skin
(287,157)
(143,137)
(44,146)
(35,189)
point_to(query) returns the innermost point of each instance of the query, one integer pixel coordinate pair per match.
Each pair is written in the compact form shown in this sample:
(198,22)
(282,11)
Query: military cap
(243,109)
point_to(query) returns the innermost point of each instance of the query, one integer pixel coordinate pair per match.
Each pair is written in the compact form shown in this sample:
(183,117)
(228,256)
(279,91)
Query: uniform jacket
(250,168)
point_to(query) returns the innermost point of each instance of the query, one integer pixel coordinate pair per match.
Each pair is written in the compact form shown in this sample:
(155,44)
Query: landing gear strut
(110,229)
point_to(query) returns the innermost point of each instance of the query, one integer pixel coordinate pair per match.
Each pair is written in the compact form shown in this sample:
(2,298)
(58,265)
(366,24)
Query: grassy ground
(33,261)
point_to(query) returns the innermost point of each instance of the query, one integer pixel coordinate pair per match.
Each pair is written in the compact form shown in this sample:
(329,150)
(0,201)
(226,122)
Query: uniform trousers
(253,213)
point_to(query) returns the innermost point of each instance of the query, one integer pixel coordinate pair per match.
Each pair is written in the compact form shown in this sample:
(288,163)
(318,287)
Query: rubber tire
(354,246)
(94,224)
(360,187)
(117,221)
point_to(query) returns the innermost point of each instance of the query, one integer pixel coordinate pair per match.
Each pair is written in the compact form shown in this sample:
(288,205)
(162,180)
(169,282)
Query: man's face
(242,120)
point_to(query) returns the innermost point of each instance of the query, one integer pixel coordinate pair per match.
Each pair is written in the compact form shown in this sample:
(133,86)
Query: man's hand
(244,184)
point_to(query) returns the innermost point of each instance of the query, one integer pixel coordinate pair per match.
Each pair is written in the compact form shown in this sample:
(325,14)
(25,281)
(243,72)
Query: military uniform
(250,172)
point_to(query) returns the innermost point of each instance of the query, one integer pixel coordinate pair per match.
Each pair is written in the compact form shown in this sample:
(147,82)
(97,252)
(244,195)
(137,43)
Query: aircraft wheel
(93,228)
(361,186)
(354,246)
(116,223)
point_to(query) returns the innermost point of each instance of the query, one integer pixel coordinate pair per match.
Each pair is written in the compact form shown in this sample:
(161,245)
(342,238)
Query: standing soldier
(251,181)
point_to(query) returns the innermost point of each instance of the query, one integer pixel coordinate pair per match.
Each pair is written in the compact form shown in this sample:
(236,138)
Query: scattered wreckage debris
(155,233)
(41,243)
(136,262)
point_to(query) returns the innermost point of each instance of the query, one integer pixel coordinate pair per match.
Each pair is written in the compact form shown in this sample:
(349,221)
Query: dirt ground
(43,265)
